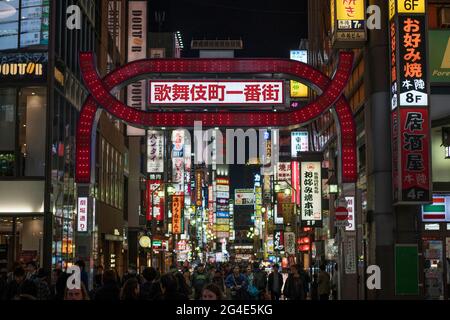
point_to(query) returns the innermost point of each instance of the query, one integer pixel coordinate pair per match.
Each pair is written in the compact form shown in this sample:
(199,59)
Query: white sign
(82,214)
(222,188)
(299,55)
(350,256)
(299,142)
(351,213)
(223,195)
(137,49)
(244,197)
(311,189)
(155,151)
(414,98)
(289,242)
(216,92)
(284,173)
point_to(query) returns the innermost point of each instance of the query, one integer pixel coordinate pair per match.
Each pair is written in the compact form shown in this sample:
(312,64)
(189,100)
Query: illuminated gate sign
(101,96)
(311,190)
(216,92)
(410,126)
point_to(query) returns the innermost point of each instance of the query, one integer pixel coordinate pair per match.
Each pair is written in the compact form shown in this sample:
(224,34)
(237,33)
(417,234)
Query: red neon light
(100,91)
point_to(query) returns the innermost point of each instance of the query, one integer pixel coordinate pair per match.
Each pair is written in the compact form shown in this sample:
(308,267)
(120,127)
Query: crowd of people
(205,282)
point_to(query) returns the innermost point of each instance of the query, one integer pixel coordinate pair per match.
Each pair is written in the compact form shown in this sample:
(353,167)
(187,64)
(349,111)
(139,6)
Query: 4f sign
(411,6)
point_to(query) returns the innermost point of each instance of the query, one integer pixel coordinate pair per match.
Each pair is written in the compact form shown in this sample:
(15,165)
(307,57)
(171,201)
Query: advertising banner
(348,22)
(244,197)
(177,213)
(439,61)
(299,142)
(82,214)
(155,151)
(311,192)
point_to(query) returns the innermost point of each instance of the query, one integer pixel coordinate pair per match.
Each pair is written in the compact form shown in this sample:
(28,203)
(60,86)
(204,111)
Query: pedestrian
(98,278)
(335,283)
(110,290)
(275,283)
(237,285)
(251,288)
(260,280)
(293,288)
(41,282)
(169,288)
(324,284)
(150,288)
(219,281)
(212,292)
(20,287)
(83,273)
(183,288)
(130,290)
(60,285)
(76,294)
(199,280)
(314,292)
(31,270)
(306,279)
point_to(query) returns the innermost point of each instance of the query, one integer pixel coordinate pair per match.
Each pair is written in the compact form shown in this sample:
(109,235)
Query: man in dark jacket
(150,289)
(259,280)
(199,279)
(110,290)
(294,288)
(20,286)
(275,283)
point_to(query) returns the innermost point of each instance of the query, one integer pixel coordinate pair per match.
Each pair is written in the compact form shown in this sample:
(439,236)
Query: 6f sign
(411,6)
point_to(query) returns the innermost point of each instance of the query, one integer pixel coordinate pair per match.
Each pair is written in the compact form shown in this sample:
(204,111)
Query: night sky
(268,28)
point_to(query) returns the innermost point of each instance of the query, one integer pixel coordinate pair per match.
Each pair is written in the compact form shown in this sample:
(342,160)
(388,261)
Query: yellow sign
(21,69)
(350,9)
(332,6)
(177,205)
(392,9)
(411,6)
(222,228)
(298,90)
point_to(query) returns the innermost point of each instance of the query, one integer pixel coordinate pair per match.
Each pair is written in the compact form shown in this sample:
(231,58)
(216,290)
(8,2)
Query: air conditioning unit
(445,17)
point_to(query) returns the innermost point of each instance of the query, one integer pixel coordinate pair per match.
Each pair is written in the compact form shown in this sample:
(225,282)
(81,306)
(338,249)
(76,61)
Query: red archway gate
(100,96)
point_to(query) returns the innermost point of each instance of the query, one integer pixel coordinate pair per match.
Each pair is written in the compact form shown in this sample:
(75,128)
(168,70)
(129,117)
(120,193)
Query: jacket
(324,283)
(270,283)
(294,288)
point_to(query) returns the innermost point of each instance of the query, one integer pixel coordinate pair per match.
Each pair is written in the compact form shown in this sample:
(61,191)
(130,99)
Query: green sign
(439,60)
(406,270)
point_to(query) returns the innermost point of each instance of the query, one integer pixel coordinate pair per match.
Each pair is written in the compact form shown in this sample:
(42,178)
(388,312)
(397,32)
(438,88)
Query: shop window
(7,131)
(31,115)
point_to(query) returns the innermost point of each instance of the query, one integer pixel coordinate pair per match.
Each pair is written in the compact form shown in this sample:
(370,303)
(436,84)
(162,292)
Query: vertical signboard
(311,193)
(154,202)
(295,182)
(223,227)
(155,151)
(178,160)
(350,256)
(177,206)
(137,49)
(198,188)
(82,214)
(299,142)
(349,23)
(278,240)
(289,242)
(410,127)
(351,214)
(299,90)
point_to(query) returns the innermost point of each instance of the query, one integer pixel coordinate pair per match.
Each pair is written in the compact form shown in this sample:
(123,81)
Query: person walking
(237,284)
(259,280)
(219,281)
(41,282)
(76,294)
(314,292)
(335,283)
(324,284)
(169,288)
(275,283)
(200,278)
(294,287)
(130,290)
(212,292)
(20,288)
(110,290)
(150,288)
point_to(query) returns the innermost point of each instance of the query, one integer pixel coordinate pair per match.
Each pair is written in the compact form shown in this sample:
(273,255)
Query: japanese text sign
(216,92)
(311,191)
(82,214)
(155,151)
(177,212)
